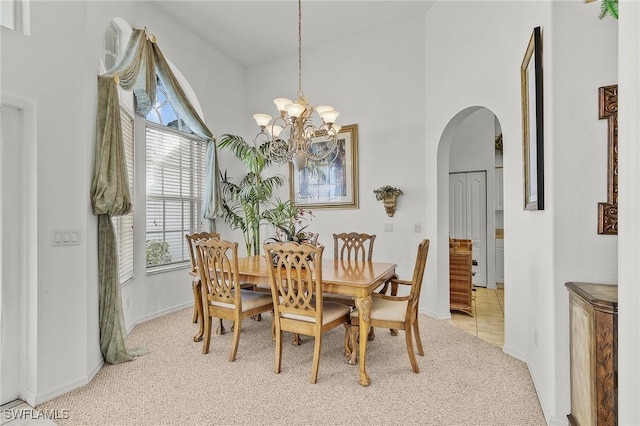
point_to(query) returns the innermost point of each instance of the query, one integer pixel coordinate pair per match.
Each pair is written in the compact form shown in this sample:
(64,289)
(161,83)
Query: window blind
(124,224)
(175,170)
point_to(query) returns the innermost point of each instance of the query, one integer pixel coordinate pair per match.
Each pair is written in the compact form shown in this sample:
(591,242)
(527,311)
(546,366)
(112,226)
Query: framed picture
(532,123)
(332,183)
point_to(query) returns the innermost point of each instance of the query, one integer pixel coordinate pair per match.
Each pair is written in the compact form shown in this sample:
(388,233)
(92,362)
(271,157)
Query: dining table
(353,278)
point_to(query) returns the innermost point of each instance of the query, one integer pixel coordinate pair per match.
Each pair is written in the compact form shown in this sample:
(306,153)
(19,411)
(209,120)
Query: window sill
(168,268)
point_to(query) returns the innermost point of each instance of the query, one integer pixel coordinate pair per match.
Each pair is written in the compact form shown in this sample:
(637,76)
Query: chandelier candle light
(290,136)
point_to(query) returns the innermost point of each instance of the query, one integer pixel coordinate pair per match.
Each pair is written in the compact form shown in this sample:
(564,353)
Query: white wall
(380,87)
(584,58)
(57,66)
(629,251)
(407,102)
(478,64)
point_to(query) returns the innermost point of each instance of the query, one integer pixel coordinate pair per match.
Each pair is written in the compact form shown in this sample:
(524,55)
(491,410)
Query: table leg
(364,312)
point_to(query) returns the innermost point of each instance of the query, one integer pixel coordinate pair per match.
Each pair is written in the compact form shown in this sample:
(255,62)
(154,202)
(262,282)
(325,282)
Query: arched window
(175,169)
(116,38)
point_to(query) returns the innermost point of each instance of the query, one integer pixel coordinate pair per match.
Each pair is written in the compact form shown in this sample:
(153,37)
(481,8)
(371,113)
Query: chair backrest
(191,242)
(418,274)
(353,246)
(218,268)
(295,276)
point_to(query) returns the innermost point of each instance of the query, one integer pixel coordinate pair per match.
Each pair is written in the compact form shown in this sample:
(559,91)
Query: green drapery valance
(141,66)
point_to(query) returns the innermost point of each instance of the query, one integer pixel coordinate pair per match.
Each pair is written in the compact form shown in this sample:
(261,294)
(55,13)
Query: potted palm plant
(243,201)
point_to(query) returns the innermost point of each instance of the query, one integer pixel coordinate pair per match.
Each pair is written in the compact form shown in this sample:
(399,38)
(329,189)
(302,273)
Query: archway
(467,146)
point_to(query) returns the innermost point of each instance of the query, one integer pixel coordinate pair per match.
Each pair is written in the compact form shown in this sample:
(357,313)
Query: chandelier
(293,135)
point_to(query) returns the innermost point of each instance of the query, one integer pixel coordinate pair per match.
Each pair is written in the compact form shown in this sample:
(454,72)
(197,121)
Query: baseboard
(67,387)
(74,384)
(557,422)
(159,314)
(435,315)
(507,350)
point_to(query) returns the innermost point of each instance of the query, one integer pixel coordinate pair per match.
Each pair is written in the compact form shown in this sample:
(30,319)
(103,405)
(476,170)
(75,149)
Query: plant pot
(390,202)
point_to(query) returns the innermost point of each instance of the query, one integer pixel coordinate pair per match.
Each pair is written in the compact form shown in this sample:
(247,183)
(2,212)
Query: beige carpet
(462,381)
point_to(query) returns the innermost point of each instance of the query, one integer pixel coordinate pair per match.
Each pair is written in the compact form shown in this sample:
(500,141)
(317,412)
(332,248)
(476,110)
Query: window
(124,224)
(111,45)
(115,38)
(175,169)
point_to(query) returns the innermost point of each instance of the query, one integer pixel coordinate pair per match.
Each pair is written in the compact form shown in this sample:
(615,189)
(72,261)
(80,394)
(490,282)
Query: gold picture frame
(330,184)
(533,123)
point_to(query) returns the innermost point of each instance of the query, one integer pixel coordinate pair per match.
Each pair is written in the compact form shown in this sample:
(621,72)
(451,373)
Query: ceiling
(253,32)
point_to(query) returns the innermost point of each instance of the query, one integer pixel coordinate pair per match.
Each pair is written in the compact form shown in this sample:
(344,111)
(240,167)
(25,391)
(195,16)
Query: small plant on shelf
(389,196)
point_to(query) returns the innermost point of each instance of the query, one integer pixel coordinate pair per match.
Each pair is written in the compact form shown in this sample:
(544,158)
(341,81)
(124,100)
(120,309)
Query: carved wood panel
(606,387)
(608,109)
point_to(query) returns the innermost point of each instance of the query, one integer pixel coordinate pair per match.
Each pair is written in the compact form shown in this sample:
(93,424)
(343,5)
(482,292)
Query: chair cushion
(250,300)
(330,312)
(387,310)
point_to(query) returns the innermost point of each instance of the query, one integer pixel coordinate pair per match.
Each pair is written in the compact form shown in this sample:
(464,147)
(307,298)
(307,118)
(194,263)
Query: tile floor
(487,321)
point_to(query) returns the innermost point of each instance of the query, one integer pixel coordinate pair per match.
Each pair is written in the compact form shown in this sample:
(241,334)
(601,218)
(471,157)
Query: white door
(468,217)
(10,261)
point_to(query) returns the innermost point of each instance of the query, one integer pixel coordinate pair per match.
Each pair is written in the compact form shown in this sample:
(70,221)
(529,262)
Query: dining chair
(222,294)
(396,312)
(295,277)
(352,246)
(192,239)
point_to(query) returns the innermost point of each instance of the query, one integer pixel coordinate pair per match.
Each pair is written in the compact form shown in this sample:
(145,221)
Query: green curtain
(141,65)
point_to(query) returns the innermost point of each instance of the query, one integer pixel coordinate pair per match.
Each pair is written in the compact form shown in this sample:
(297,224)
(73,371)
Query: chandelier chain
(300,48)
(292,135)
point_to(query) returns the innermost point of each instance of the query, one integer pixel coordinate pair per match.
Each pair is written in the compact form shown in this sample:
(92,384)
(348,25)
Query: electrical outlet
(388,227)
(417,227)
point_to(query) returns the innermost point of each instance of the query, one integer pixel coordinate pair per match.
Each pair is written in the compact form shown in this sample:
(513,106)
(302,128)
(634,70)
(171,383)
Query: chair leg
(197,300)
(372,335)
(412,355)
(347,340)
(355,329)
(207,334)
(297,341)
(416,332)
(198,310)
(221,330)
(278,362)
(316,359)
(236,339)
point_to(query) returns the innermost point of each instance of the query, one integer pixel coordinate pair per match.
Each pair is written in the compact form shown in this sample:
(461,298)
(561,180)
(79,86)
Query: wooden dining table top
(348,277)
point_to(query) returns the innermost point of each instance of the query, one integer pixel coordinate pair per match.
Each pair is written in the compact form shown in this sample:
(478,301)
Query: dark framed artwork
(608,110)
(329,184)
(533,123)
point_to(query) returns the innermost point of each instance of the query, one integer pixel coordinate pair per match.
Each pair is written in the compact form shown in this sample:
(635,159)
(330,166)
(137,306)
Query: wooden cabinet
(460,287)
(593,321)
